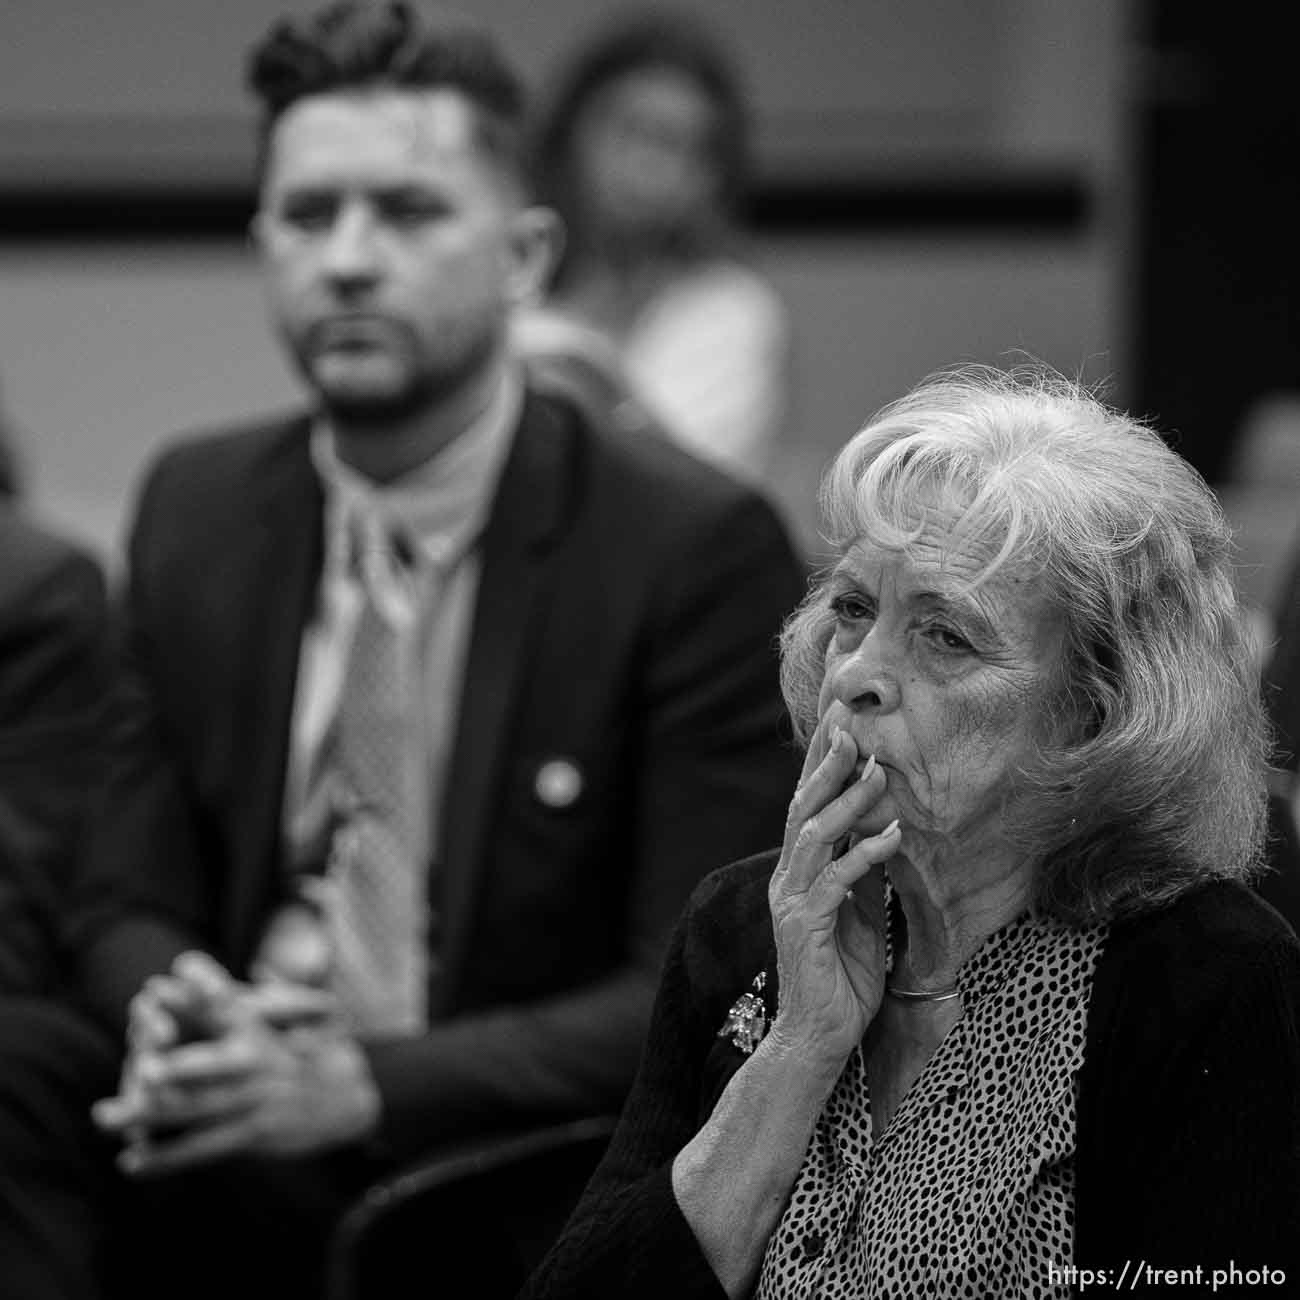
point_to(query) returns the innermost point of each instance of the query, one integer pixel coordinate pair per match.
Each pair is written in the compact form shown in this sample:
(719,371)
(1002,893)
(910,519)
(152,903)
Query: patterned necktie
(378,904)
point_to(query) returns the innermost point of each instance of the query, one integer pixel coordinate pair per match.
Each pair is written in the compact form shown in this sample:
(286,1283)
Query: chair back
(486,1214)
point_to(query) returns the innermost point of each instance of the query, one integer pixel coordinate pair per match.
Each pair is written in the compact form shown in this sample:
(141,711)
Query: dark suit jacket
(53,673)
(626,617)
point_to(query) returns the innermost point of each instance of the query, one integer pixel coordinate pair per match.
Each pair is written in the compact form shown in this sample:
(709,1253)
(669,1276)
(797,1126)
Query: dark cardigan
(1188,1115)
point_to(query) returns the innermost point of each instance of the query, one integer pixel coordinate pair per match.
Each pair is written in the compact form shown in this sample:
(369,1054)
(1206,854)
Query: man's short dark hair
(360,45)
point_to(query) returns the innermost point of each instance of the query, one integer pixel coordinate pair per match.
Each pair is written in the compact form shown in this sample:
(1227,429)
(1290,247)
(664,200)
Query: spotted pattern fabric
(969,1191)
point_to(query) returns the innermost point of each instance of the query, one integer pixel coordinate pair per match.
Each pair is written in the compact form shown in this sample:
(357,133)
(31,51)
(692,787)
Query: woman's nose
(866,679)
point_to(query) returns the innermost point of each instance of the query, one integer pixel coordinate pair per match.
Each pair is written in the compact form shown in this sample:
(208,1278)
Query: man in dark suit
(438,700)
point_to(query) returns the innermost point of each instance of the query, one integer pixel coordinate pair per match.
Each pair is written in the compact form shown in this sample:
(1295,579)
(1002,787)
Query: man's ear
(536,242)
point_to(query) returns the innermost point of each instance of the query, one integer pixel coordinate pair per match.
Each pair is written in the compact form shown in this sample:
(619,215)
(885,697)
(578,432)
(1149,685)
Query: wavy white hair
(1160,782)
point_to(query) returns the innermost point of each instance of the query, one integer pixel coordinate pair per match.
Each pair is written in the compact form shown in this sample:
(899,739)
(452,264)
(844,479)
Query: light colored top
(438,511)
(969,1191)
(709,356)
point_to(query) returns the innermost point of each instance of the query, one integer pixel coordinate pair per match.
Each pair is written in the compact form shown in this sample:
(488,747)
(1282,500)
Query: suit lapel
(278,578)
(518,544)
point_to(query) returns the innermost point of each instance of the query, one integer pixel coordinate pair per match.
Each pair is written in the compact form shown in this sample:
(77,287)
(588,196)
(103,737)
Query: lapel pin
(558,783)
(746,1021)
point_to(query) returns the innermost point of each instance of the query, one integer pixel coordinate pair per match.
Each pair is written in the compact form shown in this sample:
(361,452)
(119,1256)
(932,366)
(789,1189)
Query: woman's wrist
(817,1059)
(732,1180)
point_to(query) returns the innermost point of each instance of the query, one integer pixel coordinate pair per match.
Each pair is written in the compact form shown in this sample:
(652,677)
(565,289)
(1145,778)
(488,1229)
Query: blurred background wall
(939,180)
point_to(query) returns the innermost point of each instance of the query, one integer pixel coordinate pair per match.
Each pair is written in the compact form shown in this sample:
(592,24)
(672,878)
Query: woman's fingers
(826,779)
(837,878)
(814,841)
(818,747)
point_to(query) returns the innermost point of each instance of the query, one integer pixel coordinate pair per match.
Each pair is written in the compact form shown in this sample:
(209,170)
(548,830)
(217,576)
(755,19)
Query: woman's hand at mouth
(829,926)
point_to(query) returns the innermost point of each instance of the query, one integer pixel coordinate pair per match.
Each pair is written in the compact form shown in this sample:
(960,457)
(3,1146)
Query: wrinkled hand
(830,939)
(217,1068)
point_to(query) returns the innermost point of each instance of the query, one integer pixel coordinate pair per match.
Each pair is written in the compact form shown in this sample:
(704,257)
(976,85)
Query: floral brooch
(746,1022)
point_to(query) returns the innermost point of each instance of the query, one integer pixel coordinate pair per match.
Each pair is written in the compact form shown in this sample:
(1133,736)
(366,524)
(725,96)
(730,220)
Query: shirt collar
(439,507)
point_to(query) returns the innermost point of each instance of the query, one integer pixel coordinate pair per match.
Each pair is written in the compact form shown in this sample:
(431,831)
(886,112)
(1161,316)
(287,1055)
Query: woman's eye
(852,609)
(947,639)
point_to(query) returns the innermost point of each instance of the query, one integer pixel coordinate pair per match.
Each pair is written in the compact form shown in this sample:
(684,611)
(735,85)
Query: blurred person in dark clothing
(437,700)
(8,468)
(53,671)
(9,471)
(54,667)
(1281,885)
(645,154)
(1282,673)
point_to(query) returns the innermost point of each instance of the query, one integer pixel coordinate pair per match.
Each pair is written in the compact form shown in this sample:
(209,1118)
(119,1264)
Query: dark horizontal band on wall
(1053,206)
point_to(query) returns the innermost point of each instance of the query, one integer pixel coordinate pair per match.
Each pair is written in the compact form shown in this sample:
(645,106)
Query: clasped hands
(216,1068)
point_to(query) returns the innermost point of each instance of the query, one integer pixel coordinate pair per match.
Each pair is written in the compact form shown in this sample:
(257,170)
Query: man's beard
(424,389)
(359,409)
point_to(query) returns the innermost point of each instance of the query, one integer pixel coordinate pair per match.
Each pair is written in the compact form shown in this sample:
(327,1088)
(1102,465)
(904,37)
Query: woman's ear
(536,242)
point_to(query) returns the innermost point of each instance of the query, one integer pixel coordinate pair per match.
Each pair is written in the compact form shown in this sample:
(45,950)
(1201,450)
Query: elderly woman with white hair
(1002,1017)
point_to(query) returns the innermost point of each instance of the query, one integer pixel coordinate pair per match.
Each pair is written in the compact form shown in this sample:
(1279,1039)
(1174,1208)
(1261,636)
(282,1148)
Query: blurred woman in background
(644,154)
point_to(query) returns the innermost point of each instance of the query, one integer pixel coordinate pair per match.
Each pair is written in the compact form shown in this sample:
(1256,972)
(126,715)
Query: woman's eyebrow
(843,575)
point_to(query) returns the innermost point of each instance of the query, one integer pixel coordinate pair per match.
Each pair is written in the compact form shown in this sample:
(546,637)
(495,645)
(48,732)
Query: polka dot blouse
(969,1191)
